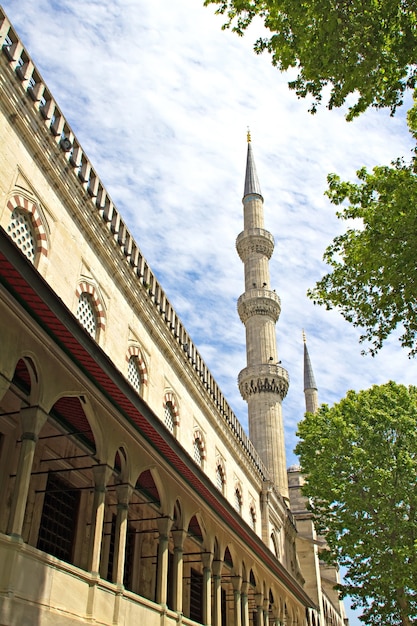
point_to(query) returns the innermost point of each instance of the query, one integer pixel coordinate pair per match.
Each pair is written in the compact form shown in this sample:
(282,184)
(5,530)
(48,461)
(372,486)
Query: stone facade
(129,491)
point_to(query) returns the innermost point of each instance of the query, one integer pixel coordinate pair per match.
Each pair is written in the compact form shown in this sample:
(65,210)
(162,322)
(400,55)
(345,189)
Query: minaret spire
(310,387)
(263,383)
(251,179)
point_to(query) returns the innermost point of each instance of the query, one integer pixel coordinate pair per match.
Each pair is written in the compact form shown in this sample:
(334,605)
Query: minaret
(310,387)
(263,383)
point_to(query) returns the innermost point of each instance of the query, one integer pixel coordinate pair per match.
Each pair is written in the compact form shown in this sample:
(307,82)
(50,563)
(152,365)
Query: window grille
(110,560)
(133,374)
(86,314)
(220,477)
(196,596)
(238,500)
(198,457)
(22,232)
(169,416)
(252,518)
(58,521)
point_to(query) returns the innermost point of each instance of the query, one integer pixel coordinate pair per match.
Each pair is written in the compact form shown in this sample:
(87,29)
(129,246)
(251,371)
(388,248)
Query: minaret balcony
(254,241)
(259,302)
(263,378)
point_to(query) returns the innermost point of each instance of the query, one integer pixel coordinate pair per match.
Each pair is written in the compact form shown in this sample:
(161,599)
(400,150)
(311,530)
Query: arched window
(238,499)
(252,517)
(220,476)
(275,544)
(199,448)
(90,311)
(22,232)
(169,415)
(137,373)
(171,412)
(198,457)
(133,373)
(86,314)
(26,227)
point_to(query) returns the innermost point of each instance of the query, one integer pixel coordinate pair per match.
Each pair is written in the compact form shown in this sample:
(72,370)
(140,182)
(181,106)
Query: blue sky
(160,99)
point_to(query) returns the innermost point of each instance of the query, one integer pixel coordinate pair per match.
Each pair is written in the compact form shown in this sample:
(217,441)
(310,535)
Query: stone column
(207,559)
(102,474)
(164,526)
(245,603)
(178,566)
(259,599)
(123,497)
(266,612)
(217,593)
(237,608)
(32,419)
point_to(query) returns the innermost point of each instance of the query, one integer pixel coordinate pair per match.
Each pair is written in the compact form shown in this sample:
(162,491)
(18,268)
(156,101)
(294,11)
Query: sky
(160,98)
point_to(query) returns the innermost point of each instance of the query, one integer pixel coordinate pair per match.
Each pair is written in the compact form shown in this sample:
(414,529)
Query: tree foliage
(360,461)
(373,264)
(362,47)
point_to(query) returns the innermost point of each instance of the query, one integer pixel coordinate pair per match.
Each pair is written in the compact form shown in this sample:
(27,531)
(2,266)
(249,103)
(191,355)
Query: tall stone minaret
(263,383)
(310,388)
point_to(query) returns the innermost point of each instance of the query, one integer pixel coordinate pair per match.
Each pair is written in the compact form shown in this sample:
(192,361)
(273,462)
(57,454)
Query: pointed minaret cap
(251,179)
(309,380)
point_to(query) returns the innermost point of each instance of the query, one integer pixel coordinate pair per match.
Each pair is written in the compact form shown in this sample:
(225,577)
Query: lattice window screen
(22,232)
(169,417)
(86,314)
(238,501)
(133,374)
(197,452)
(219,477)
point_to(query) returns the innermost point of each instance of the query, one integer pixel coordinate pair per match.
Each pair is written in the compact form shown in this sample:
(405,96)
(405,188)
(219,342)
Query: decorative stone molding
(18,201)
(199,438)
(254,240)
(136,352)
(85,287)
(259,302)
(170,397)
(263,378)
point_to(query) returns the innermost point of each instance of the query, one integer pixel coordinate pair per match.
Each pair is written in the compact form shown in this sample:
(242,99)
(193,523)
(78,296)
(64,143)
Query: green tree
(362,47)
(360,462)
(373,264)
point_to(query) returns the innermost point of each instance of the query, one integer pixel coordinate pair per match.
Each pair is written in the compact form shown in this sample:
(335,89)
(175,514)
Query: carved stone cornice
(263,378)
(259,302)
(254,240)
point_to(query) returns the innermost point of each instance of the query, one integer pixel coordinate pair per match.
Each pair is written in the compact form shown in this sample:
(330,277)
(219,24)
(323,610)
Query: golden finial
(248,135)
(304,337)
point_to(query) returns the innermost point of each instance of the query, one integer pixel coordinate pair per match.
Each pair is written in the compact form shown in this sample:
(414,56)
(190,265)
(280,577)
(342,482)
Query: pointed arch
(25,375)
(19,202)
(69,411)
(120,463)
(227,558)
(194,529)
(147,485)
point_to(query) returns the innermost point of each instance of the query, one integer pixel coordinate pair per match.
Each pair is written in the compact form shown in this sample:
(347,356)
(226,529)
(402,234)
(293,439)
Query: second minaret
(263,383)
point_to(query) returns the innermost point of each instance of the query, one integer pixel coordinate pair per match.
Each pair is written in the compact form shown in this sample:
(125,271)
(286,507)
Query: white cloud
(160,99)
